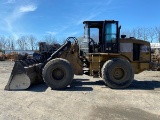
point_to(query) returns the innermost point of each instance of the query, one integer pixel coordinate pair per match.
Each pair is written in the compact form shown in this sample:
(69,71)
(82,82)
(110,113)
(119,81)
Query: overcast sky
(63,18)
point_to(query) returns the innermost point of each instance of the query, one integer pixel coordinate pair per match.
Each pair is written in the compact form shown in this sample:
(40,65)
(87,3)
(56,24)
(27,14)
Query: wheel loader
(112,57)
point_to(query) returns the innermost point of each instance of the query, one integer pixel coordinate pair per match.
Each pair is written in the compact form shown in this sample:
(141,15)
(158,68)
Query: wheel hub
(118,73)
(58,74)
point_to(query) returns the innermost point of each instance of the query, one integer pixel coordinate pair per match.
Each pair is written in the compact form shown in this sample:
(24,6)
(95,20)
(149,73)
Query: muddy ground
(88,99)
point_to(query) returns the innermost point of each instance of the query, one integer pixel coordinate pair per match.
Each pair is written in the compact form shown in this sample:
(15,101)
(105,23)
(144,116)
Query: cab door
(111,37)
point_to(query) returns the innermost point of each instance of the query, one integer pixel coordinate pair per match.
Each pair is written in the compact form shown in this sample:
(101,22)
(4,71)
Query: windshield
(110,32)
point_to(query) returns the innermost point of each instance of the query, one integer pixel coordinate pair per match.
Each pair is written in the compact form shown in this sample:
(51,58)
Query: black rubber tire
(117,73)
(58,73)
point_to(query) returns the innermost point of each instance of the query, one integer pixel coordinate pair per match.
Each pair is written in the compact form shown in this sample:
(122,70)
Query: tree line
(30,42)
(24,42)
(151,34)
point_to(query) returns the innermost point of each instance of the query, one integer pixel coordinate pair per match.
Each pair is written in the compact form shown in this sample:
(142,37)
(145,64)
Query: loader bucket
(29,71)
(24,74)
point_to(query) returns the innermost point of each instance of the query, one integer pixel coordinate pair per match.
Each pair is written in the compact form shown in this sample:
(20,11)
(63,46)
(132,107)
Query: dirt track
(88,99)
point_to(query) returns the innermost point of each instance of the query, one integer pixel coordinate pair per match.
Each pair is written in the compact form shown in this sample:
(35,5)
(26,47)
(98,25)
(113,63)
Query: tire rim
(58,74)
(118,73)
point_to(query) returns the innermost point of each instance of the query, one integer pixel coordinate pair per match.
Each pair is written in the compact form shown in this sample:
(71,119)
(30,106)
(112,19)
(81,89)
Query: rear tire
(117,73)
(58,73)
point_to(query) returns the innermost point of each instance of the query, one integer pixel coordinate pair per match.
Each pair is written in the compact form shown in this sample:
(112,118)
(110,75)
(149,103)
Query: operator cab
(108,37)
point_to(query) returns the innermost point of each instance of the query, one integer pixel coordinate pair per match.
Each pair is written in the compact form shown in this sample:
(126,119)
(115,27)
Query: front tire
(58,73)
(117,73)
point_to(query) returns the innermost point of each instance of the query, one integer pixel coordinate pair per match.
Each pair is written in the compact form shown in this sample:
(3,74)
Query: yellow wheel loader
(112,57)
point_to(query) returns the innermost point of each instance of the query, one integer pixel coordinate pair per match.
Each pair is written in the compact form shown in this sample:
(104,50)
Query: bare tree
(22,43)
(10,43)
(139,33)
(3,42)
(32,42)
(0,44)
(128,33)
(50,39)
(134,33)
(157,29)
(144,33)
(151,34)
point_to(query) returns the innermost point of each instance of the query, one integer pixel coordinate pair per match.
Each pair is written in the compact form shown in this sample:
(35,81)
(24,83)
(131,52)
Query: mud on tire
(58,73)
(117,73)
